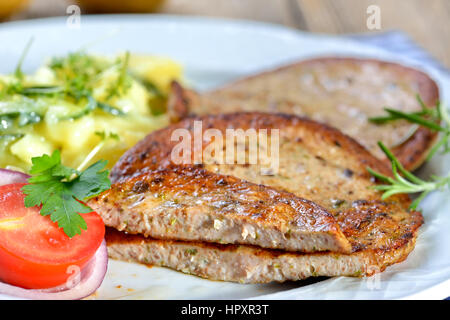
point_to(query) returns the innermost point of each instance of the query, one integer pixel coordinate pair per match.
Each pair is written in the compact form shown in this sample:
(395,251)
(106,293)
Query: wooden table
(426,21)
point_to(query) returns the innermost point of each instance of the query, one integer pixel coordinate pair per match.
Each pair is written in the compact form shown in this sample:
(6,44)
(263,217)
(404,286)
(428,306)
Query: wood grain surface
(426,21)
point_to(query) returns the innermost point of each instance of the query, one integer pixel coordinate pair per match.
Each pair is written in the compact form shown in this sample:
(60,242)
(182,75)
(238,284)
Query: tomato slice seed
(11,223)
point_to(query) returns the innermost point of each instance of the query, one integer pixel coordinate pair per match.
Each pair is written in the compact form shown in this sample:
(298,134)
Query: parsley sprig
(59,190)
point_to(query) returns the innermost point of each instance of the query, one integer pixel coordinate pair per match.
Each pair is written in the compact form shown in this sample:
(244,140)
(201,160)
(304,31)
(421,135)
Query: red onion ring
(9,176)
(91,278)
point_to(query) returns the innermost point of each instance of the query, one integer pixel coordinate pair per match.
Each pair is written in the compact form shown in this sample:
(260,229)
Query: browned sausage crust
(341,92)
(316,162)
(236,204)
(250,264)
(196,205)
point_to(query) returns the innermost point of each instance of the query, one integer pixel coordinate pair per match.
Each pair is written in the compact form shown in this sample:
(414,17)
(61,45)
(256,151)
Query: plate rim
(437,289)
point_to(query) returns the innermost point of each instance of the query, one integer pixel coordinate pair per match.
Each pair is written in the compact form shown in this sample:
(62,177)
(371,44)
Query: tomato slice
(34,252)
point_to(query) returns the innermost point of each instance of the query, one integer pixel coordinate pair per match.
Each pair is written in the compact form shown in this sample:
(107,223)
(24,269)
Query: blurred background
(425,21)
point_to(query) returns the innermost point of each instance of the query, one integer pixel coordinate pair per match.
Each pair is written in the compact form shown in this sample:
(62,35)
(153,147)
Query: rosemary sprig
(394,114)
(436,119)
(406,182)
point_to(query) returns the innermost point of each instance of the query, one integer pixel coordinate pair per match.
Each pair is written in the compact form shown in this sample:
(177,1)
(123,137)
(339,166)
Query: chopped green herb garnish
(60,190)
(11,137)
(123,81)
(91,105)
(358,273)
(150,86)
(337,203)
(20,119)
(18,72)
(110,109)
(40,90)
(191,252)
(158,100)
(111,135)
(76,76)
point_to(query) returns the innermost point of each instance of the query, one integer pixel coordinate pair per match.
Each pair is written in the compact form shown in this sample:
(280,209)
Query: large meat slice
(364,226)
(315,161)
(236,203)
(342,92)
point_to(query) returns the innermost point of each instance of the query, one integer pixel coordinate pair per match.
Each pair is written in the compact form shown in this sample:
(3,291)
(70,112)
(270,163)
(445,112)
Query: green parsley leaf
(59,190)
(45,163)
(92,181)
(65,210)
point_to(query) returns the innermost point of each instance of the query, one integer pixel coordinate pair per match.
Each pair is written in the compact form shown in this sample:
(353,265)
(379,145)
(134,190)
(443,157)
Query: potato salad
(86,106)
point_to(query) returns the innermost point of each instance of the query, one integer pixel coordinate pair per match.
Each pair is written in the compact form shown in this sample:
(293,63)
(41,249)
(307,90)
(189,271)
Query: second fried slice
(188,203)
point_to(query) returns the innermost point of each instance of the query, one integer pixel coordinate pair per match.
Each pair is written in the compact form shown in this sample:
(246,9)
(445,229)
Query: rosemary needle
(404,181)
(436,119)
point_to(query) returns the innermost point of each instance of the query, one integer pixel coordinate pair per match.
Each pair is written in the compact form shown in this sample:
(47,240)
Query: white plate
(214,52)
